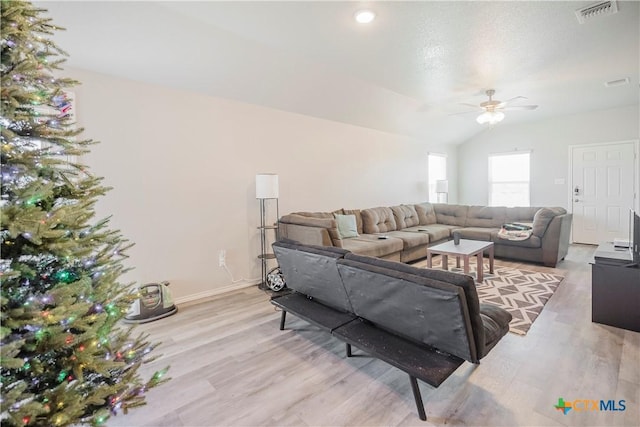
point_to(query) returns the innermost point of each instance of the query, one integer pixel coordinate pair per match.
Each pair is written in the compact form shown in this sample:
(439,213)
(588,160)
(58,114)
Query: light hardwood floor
(232,366)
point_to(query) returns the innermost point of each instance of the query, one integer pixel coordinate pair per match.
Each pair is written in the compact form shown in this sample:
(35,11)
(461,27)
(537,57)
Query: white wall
(549,142)
(183,169)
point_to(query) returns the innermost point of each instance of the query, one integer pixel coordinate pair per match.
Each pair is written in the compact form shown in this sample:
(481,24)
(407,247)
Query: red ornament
(25,420)
(69,339)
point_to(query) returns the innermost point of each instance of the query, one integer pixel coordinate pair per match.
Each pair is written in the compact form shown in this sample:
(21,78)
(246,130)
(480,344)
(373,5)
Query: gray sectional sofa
(403,232)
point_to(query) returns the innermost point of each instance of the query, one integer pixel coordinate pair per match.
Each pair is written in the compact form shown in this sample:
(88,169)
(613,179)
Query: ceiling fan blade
(519,107)
(470,105)
(463,112)
(503,103)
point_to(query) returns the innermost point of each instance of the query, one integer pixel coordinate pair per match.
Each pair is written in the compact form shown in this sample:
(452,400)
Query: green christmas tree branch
(65,358)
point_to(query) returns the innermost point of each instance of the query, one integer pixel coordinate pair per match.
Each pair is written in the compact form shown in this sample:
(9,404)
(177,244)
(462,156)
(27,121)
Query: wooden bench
(419,361)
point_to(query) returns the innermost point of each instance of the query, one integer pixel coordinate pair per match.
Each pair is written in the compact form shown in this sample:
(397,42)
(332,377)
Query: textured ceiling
(405,73)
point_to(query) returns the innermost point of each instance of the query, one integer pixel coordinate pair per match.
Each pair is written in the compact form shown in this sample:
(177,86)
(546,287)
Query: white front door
(603,191)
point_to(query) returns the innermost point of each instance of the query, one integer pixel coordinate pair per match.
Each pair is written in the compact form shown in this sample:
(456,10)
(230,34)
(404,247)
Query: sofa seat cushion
(477,233)
(435,231)
(410,239)
(531,242)
(495,322)
(371,245)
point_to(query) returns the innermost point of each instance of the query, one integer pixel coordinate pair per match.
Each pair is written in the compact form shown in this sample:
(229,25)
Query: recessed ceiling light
(364,16)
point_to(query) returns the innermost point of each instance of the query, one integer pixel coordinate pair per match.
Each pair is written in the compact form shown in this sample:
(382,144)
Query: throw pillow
(347,226)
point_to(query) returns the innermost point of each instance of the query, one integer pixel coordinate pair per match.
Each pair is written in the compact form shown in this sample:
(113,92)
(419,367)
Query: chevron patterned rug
(522,293)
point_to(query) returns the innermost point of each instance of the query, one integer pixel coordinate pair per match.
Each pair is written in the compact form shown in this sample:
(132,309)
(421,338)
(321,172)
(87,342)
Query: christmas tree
(66,359)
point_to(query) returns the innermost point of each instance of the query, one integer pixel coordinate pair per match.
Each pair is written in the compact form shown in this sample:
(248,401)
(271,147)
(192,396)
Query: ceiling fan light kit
(490,117)
(492,110)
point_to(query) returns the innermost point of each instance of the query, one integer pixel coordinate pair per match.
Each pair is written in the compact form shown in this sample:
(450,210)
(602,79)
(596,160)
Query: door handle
(576,200)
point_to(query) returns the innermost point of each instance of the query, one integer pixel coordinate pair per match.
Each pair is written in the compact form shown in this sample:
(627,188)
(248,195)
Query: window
(437,168)
(509,179)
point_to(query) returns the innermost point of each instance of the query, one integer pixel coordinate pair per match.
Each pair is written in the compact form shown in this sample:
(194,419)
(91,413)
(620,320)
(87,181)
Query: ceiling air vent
(618,82)
(597,10)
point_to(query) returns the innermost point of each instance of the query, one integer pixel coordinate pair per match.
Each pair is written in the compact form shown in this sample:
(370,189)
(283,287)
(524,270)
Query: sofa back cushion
(328,222)
(312,271)
(378,220)
(541,221)
(405,215)
(426,213)
(486,216)
(520,214)
(419,308)
(451,214)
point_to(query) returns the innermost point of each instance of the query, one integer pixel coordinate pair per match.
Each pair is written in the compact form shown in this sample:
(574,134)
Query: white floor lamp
(266,189)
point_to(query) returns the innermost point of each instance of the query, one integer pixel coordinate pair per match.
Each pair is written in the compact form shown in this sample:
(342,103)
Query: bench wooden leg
(418,397)
(348,350)
(282,319)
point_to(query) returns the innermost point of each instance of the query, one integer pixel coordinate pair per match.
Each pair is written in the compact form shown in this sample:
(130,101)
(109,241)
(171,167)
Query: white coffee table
(465,249)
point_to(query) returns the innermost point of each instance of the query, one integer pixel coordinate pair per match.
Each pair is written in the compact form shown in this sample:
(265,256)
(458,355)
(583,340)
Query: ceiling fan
(492,110)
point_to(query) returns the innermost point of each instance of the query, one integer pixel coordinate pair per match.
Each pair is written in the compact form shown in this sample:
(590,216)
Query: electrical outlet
(222,258)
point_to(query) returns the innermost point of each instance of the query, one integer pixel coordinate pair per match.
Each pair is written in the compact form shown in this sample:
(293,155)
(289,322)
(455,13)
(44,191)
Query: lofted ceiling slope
(406,73)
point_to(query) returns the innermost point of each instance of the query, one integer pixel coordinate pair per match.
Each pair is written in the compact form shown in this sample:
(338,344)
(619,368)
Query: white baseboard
(217,291)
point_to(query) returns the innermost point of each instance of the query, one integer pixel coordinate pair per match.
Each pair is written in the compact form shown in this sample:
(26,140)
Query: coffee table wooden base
(466,249)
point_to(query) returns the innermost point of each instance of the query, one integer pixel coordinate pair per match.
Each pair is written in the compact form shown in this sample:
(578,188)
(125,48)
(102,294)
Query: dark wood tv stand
(615,288)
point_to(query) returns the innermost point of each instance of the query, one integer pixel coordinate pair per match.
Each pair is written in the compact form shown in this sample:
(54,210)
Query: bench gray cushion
(487,320)
(496,324)
(422,309)
(312,271)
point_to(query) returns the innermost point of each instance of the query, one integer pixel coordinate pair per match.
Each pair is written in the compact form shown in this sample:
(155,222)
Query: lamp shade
(442,186)
(267,186)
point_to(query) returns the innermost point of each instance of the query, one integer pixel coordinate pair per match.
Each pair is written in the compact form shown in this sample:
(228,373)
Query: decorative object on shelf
(442,187)
(266,189)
